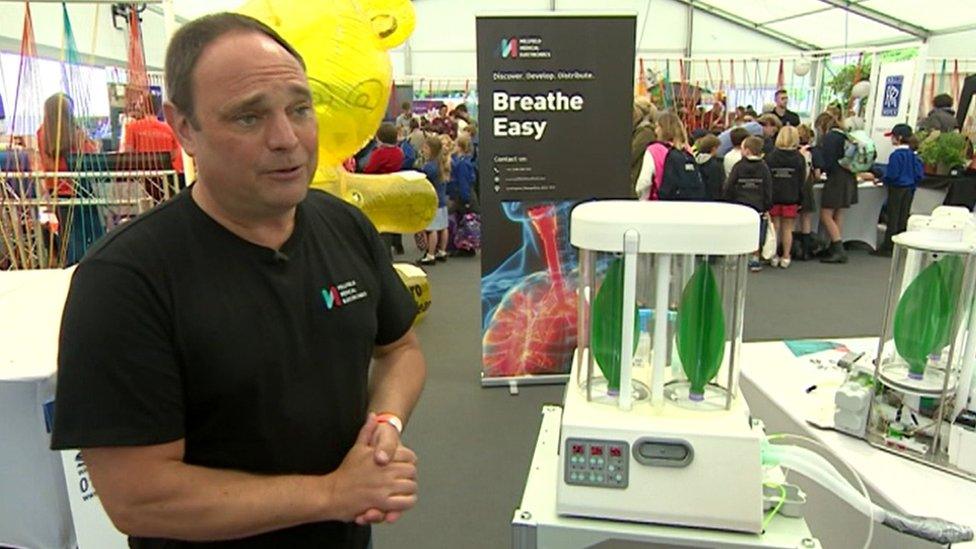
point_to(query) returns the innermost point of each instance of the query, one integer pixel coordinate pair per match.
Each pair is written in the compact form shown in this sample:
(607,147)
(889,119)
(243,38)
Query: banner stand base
(513,383)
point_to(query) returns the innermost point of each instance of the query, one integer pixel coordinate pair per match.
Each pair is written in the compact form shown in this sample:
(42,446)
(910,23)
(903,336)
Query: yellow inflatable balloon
(415,279)
(344,44)
(401,202)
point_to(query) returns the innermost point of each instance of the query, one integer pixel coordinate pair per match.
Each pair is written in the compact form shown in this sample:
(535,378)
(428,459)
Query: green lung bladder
(923,319)
(606,333)
(701,329)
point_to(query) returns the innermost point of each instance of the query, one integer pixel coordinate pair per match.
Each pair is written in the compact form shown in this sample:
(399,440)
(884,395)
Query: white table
(536,524)
(861,219)
(774,383)
(926,200)
(40,506)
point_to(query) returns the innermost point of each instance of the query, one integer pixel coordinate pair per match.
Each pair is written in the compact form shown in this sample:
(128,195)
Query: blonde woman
(671,149)
(789,171)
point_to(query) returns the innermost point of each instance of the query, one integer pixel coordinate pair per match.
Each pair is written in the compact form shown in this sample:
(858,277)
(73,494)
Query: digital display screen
(596,450)
(615,452)
(577,448)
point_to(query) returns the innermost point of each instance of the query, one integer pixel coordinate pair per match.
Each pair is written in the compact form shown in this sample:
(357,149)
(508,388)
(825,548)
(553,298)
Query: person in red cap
(903,173)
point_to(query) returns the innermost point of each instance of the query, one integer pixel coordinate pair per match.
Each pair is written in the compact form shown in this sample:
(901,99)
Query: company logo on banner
(524,47)
(891,102)
(891,99)
(509,48)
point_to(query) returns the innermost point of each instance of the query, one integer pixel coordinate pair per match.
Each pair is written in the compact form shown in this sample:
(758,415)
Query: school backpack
(859,152)
(681,179)
(409,155)
(468,234)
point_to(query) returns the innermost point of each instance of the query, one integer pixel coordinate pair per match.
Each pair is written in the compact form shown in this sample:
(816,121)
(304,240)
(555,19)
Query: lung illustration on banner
(529,301)
(556,96)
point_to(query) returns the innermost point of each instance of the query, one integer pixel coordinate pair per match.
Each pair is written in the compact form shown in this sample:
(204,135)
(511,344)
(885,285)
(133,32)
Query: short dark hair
(738,135)
(406,105)
(753,145)
(414,124)
(189,42)
(387,133)
(707,143)
(942,101)
(779,91)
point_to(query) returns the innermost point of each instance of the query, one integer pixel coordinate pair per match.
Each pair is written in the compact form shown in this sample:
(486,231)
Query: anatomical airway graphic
(533,330)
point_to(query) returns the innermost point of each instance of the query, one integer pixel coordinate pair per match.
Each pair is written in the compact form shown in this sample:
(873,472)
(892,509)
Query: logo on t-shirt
(339,295)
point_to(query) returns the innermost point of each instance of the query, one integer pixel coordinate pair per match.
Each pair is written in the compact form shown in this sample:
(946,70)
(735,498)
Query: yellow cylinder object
(415,279)
(401,202)
(344,44)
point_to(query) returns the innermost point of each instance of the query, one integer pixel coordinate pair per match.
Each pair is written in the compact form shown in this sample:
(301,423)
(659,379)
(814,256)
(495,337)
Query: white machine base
(536,525)
(665,465)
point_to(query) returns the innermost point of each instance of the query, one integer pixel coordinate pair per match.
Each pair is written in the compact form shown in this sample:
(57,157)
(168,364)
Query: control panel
(600,463)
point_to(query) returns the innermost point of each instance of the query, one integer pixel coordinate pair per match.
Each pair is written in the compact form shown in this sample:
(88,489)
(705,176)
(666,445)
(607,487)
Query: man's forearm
(188,502)
(397,380)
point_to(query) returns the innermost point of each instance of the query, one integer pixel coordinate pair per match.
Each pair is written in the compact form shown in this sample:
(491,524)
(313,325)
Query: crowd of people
(445,148)
(770,162)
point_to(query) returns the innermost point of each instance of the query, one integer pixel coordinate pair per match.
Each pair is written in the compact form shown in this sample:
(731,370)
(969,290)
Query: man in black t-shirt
(215,353)
(785,115)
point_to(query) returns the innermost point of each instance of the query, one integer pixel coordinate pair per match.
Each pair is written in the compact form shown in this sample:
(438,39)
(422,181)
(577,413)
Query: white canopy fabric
(828,24)
(809,24)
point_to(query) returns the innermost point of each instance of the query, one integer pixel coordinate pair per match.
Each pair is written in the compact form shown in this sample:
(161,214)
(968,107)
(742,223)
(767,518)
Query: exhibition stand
(536,523)
(48,498)
(861,219)
(778,386)
(37,514)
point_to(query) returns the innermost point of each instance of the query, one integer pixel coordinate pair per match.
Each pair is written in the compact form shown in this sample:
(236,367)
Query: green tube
(701,329)
(607,333)
(923,318)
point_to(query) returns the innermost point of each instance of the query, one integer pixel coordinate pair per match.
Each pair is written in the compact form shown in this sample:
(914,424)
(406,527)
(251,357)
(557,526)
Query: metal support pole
(690,30)
(820,65)
(407,57)
(915,108)
(873,97)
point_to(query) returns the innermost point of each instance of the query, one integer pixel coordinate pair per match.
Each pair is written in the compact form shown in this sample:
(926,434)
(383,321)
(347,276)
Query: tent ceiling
(812,24)
(839,23)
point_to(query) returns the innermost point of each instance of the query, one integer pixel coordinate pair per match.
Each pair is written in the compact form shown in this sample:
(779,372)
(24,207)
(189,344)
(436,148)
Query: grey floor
(475,444)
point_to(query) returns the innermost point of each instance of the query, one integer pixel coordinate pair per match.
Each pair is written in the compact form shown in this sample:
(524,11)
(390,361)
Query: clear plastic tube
(857,477)
(819,470)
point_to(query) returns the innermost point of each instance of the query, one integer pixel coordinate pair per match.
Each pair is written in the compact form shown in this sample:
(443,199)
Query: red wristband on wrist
(391,419)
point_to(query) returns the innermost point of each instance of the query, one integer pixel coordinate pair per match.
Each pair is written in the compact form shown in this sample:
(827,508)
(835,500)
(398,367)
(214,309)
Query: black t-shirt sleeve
(119,383)
(397,308)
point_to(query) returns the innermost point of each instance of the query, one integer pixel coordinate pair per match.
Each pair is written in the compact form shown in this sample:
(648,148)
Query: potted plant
(942,151)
